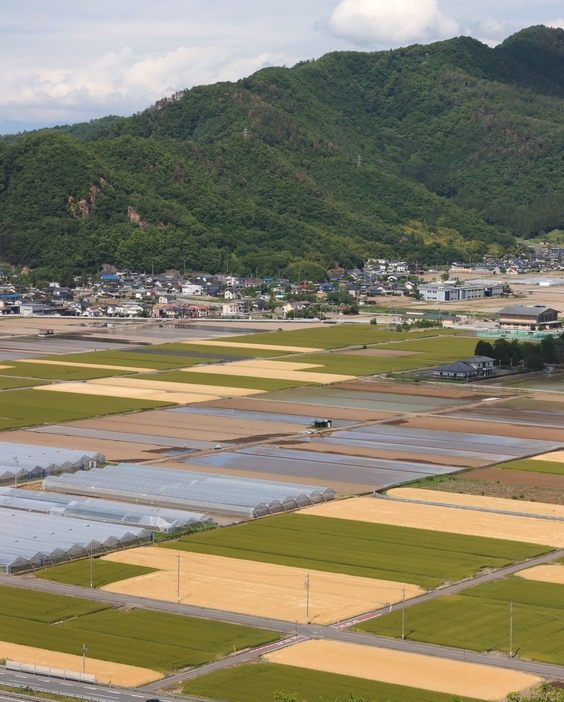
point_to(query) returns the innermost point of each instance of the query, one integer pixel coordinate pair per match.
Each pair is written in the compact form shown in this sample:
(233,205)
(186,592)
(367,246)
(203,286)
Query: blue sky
(65,62)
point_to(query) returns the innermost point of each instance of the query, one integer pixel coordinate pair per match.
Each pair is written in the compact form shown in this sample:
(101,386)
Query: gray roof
(457,367)
(527,311)
(478,359)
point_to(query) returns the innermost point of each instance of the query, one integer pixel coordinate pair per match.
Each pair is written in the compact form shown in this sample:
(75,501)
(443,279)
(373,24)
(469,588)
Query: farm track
(335,632)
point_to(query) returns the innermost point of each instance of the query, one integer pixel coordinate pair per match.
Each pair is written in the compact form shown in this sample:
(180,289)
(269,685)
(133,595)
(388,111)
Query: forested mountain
(461,150)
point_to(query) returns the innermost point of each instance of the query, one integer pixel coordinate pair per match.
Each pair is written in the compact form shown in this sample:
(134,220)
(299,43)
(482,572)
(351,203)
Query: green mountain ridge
(461,150)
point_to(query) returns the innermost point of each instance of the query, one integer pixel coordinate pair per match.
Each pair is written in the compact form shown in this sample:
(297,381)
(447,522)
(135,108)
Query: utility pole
(91,549)
(358,162)
(16,462)
(307,598)
(178,580)
(84,649)
(511,630)
(403,613)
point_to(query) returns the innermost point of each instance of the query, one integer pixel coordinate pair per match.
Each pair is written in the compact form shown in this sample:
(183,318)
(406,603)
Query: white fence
(51,672)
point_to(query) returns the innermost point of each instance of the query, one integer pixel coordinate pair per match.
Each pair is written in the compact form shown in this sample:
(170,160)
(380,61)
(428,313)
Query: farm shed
(31,540)
(217,494)
(153,518)
(28,462)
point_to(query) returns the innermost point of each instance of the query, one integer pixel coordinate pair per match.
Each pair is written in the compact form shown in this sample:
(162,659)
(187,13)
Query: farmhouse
(521,317)
(474,367)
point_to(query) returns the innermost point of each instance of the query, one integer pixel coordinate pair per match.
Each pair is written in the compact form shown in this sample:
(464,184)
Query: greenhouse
(20,462)
(31,540)
(153,518)
(216,494)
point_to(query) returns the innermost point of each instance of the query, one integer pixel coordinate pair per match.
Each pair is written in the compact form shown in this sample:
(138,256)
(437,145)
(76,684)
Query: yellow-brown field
(105,671)
(129,392)
(249,587)
(272,370)
(497,503)
(165,386)
(409,669)
(544,574)
(555,457)
(44,362)
(436,518)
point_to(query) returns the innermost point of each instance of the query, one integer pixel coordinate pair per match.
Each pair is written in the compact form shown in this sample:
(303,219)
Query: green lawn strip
(229,381)
(42,606)
(103,572)
(425,558)
(47,372)
(259,682)
(221,350)
(14,383)
(337,336)
(128,359)
(32,407)
(531,466)
(478,619)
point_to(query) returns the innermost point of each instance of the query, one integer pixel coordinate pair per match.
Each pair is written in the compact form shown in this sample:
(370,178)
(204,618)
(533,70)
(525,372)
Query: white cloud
(556,24)
(388,22)
(120,82)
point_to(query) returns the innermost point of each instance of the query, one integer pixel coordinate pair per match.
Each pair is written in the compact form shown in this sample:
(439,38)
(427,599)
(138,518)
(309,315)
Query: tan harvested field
(554,456)
(105,671)
(497,503)
(129,392)
(86,365)
(473,426)
(246,345)
(163,385)
(379,353)
(271,370)
(550,573)
(448,519)
(301,410)
(248,587)
(515,477)
(409,669)
(383,453)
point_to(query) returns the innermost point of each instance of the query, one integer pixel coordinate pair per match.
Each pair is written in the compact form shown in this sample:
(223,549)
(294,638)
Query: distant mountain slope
(461,149)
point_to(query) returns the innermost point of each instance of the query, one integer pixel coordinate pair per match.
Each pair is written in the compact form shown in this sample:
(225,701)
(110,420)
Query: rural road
(291,632)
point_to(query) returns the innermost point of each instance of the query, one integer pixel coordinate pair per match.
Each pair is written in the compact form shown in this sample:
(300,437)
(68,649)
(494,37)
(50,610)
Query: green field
(222,350)
(130,359)
(529,466)
(103,572)
(229,381)
(46,372)
(338,336)
(14,383)
(259,683)
(24,408)
(425,558)
(161,642)
(478,619)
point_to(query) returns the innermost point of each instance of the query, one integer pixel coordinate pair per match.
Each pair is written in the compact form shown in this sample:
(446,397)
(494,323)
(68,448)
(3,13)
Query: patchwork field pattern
(103,573)
(401,554)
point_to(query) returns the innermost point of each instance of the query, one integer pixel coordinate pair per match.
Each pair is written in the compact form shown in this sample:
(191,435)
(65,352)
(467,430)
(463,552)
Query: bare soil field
(105,671)
(446,519)
(472,426)
(544,574)
(410,669)
(383,453)
(299,410)
(249,587)
(494,503)
(514,477)
(506,491)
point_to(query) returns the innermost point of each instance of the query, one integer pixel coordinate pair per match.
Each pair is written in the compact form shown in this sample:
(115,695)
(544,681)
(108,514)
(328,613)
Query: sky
(64,62)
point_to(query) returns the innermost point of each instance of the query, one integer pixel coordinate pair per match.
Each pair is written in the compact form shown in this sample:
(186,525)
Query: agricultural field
(265,384)
(160,642)
(130,359)
(15,383)
(103,573)
(402,554)
(535,466)
(25,408)
(190,349)
(259,683)
(57,372)
(478,620)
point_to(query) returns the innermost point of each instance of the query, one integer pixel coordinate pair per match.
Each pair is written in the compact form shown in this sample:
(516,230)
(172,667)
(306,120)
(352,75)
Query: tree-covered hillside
(461,149)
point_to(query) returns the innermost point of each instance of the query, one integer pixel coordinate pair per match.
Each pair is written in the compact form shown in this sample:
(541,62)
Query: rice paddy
(103,572)
(265,384)
(535,466)
(402,554)
(478,620)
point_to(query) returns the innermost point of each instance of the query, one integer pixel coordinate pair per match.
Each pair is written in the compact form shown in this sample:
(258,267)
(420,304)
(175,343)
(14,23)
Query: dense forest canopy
(460,145)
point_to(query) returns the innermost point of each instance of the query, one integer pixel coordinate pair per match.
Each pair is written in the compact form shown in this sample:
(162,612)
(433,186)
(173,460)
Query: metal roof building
(217,494)
(28,462)
(31,540)
(153,518)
